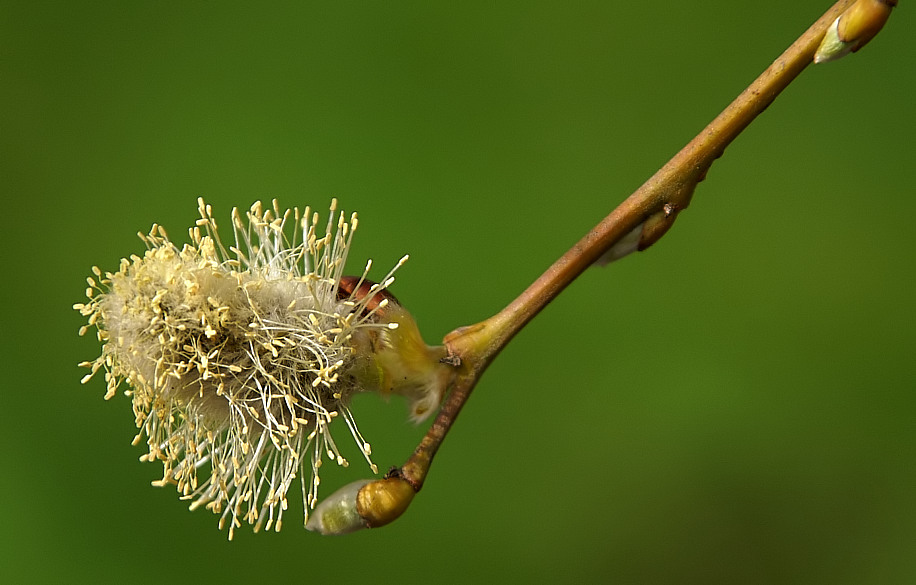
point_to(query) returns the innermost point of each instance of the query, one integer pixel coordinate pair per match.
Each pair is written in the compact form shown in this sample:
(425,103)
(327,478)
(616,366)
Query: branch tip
(853,29)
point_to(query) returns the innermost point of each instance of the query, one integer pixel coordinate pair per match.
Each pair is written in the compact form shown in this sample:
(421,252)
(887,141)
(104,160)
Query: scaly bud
(362,504)
(337,513)
(383,501)
(853,29)
(624,247)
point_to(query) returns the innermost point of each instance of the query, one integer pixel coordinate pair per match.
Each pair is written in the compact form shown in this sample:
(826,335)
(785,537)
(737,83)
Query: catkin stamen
(236,358)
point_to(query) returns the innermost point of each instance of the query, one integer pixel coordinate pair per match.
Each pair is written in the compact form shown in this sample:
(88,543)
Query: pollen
(237,359)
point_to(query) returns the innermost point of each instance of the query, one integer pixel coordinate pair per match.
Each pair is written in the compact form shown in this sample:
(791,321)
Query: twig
(637,223)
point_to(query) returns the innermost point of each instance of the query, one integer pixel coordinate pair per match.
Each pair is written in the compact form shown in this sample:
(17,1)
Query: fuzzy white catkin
(238,359)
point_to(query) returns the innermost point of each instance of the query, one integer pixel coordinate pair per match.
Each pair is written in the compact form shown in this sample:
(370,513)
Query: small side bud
(338,514)
(624,247)
(384,500)
(853,29)
(362,504)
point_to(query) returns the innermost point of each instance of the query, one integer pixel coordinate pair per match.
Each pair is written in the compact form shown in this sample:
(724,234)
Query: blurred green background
(735,405)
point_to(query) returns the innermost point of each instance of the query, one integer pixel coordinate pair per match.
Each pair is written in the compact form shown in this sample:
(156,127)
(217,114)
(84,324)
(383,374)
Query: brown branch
(654,206)
(637,223)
